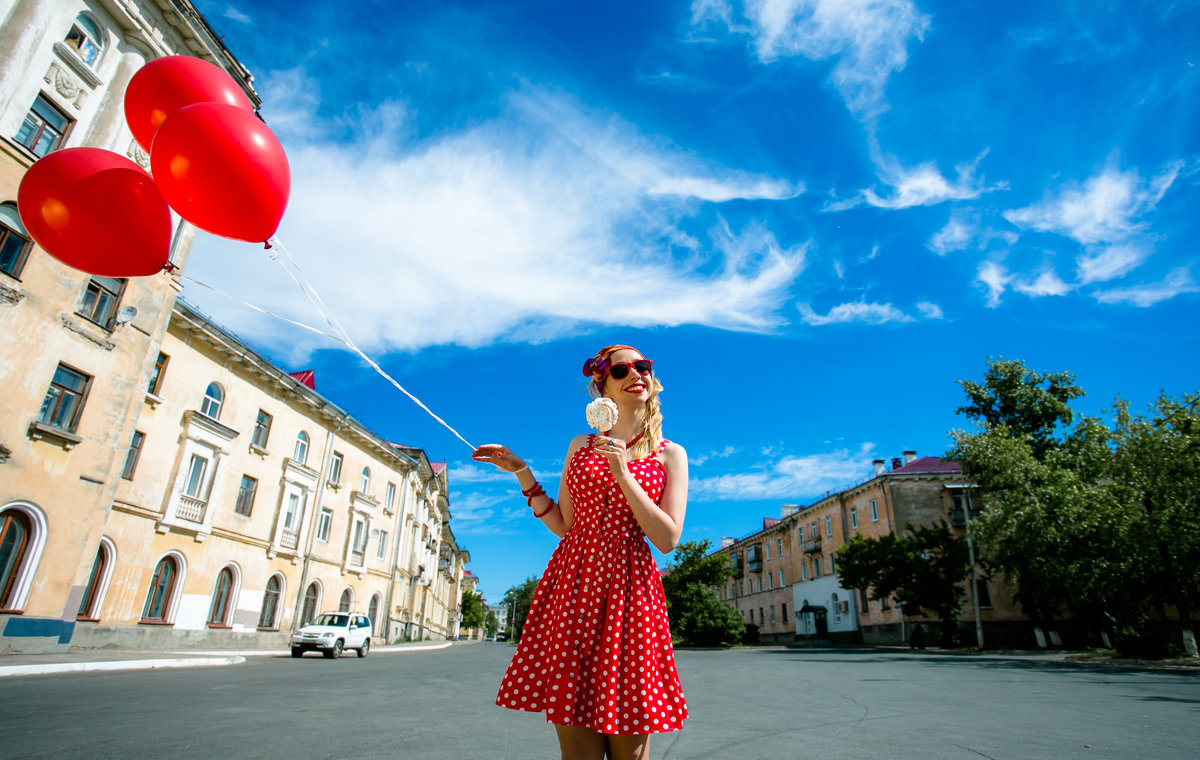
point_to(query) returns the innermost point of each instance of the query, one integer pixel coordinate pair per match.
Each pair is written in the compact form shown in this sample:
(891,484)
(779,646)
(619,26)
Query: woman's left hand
(612,449)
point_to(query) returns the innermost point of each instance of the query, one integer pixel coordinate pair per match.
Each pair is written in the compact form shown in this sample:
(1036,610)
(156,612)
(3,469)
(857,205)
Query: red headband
(597,366)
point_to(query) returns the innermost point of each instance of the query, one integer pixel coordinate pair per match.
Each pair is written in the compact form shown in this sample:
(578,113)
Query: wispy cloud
(867,39)
(789,477)
(964,231)
(995,279)
(233,14)
(930,310)
(1110,262)
(1048,283)
(1106,208)
(452,237)
(699,459)
(476,513)
(856,311)
(1178,282)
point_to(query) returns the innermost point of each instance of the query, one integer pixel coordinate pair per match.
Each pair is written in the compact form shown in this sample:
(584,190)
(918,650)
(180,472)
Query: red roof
(307,377)
(437,467)
(770,521)
(930,464)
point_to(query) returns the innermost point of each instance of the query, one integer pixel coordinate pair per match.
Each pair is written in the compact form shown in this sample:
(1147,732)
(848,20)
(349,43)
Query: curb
(284,652)
(88,667)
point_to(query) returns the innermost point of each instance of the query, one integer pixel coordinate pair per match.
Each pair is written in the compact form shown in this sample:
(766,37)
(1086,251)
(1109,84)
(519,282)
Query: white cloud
(233,14)
(996,279)
(1046,284)
(1179,281)
(477,513)
(930,310)
(700,459)
(789,477)
(955,236)
(1104,209)
(1111,262)
(502,230)
(923,185)
(868,39)
(856,311)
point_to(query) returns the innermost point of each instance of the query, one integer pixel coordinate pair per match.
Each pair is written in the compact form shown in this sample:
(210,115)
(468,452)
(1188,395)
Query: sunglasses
(621,371)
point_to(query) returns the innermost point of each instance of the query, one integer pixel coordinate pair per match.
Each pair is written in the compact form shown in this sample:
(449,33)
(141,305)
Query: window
(160,372)
(323,523)
(782,584)
(813,531)
(854,517)
(64,400)
(800,533)
(874,511)
(862,601)
(760,615)
(816,567)
(767,551)
(833,564)
(262,429)
(779,548)
(100,300)
(15,533)
(829,525)
(364,484)
(85,39)
(804,571)
(245,497)
(14,241)
(359,544)
(373,612)
(770,582)
(291,518)
(89,605)
(214,396)
(389,498)
(982,594)
(783,612)
(194,485)
(218,613)
(161,586)
(772,614)
(886,603)
(383,538)
(133,455)
(760,584)
(44,129)
(300,453)
(335,468)
(312,597)
(347,601)
(270,605)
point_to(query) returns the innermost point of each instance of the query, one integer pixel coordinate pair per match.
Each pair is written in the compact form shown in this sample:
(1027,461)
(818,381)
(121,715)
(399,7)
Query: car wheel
(362,651)
(297,652)
(335,652)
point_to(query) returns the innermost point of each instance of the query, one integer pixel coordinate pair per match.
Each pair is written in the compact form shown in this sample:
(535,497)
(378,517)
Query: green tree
(518,599)
(698,618)
(922,570)
(491,624)
(1032,405)
(472,610)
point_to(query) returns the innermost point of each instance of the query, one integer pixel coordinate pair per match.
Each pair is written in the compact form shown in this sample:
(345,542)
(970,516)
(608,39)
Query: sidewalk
(93,660)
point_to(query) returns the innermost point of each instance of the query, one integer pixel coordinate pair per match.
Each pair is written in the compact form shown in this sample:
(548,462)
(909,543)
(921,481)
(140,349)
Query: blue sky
(816,216)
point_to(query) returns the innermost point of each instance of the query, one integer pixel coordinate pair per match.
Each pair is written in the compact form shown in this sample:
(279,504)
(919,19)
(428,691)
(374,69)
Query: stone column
(20,34)
(107,127)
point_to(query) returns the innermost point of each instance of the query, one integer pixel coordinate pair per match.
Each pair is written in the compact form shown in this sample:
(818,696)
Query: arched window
(373,614)
(218,613)
(268,617)
(93,594)
(365,483)
(347,601)
(14,241)
(312,597)
(15,532)
(162,587)
(301,452)
(214,396)
(85,39)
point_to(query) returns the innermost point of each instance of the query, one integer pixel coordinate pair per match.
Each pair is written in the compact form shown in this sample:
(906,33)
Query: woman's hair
(597,368)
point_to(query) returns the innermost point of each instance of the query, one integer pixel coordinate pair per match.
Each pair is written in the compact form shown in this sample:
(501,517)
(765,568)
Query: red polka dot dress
(596,647)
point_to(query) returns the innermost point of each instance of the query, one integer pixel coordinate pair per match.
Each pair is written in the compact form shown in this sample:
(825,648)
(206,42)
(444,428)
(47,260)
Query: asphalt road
(758,703)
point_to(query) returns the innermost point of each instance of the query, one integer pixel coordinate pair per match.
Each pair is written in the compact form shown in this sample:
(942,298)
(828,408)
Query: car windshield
(337,621)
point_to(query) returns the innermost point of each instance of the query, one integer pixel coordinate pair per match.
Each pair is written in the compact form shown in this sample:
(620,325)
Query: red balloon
(163,86)
(96,211)
(223,170)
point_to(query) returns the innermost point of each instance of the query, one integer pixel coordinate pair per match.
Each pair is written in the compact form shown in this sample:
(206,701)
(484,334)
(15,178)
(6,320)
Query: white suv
(332,632)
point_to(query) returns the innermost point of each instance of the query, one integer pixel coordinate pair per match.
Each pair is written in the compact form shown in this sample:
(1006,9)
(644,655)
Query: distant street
(756,703)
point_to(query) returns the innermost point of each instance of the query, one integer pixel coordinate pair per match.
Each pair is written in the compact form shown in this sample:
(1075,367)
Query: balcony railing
(754,566)
(191,508)
(356,557)
(812,547)
(290,538)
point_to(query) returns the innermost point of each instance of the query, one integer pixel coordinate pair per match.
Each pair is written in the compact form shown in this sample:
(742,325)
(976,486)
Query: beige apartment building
(161,483)
(913,492)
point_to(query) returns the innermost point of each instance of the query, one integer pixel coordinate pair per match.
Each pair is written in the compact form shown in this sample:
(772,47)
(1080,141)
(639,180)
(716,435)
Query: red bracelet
(544,511)
(533,492)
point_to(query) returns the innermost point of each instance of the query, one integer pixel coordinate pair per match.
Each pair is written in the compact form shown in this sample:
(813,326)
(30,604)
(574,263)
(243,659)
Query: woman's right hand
(499,455)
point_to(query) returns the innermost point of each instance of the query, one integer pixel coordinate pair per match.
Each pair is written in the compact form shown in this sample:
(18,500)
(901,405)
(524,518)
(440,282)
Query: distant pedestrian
(595,654)
(917,640)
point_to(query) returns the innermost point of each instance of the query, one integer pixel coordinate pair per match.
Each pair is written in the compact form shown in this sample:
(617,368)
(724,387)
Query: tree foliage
(1096,520)
(518,600)
(921,569)
(491,624)
(472,610)
(698,617)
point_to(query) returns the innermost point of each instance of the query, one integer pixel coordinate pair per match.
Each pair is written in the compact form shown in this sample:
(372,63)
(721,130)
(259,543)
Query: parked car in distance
(330,633)
(501,637)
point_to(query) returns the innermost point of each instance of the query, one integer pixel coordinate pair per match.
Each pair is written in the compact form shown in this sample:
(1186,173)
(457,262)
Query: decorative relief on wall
(66,85)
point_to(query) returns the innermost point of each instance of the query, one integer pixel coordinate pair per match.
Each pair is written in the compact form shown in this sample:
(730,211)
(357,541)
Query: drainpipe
(312,525)
(971,557)
(397,532)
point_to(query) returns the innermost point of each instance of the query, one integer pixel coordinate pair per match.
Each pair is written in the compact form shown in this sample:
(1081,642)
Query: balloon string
(315,299)
(259,309)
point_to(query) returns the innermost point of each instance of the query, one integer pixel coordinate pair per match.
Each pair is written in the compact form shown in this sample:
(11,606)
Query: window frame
(242,497)
(272,621)
(324,524)
(7,235)
(153,598)
(212,402)
(133,455)
(874,511)
(335,468)
(106,301)
(222,598)
(300,448)
(311,606)
(262,429)
(157,376)
(364,481)
(98,43)
(35,138)
(19,556)
(80,397)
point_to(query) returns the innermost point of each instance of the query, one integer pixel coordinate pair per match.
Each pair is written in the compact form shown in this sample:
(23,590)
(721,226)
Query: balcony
(356,557)
(290,538)
(754,565)
(958,517)
(191,508)
(812,547)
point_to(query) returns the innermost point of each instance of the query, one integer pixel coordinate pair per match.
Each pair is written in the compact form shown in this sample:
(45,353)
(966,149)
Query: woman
(595,654)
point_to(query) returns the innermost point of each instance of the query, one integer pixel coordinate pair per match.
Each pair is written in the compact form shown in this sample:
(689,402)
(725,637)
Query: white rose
(601,414)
